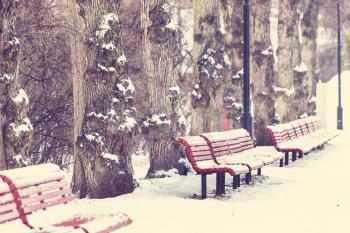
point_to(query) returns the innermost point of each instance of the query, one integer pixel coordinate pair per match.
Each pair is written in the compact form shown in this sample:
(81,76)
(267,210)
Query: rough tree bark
(262,70)
(151,43)
(103,102)
(15,127)
(213,92)
(163,118)
(291,71)
(309,27)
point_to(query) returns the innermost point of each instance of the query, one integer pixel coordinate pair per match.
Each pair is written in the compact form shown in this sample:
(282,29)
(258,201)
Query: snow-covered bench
(38,199)
(230,152)
(237,146)
(300,137)
(202,161)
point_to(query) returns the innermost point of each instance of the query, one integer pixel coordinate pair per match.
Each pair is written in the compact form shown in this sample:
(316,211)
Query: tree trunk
(15,127)
(100,81)
(262,70)
(309,26)
(215,89)
(290,69)
(162,120)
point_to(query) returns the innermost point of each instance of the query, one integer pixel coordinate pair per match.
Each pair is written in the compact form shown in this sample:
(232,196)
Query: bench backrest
(298,128)
(228,143)
(197,151)
(279,133)
(34,188)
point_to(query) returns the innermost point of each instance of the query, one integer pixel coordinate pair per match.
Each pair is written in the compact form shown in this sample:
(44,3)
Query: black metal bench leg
(204,186)
(281,163)
(236,181)
(286,158)
(294,156)
(259,172)
(218,184)
(222,183)
(301,155)
(248,177)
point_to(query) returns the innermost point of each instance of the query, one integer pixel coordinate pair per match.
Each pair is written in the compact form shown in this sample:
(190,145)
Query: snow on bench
(230,152)
(300,137)
(40,198)
(202,161)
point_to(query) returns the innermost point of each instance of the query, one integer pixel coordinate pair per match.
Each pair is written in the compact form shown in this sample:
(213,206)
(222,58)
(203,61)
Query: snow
(301,68)
(126,86)
(122,59)
(128,124)
(109,46)
(6,78)
(105,69)
(175,89)
(156,119)
(284,91)
(327,101)
(21,97)
(24,126)
(267,52)
(238,75)
(104,27)
(310,196)
(110,156)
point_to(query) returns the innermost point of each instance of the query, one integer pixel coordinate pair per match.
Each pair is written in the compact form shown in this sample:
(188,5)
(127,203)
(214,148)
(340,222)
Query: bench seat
(237,146)
(300,136)
(44,200)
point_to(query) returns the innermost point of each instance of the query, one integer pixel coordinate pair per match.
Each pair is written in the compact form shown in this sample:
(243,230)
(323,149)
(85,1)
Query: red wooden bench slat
(43,187)
(30,181)
(7,207)
(45,205)
(45,196)
(6,198)
(8,216)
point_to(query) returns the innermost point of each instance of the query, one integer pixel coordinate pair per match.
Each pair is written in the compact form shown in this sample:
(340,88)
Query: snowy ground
(310,196)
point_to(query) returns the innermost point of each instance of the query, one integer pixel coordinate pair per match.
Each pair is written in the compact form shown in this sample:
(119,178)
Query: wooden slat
(45,196)
(29,181)
(12,215)
(6,198)
(204,158)
(4,188)
(43,187)
(30,209)
(199,148)
(201,153)
(7,207)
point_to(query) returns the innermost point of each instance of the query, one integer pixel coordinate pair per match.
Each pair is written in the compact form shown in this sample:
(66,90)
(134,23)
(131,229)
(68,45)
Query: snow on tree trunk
(215,97)
(262,70)
(291,70)
(309,26)
(15,127)
(105,94)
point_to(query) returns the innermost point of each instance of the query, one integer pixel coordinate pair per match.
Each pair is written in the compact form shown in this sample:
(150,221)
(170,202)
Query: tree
(103,101)
(45,75)
(291,71)
(309,27)
(215,87)
(152,45)
(262,70)
(15,127)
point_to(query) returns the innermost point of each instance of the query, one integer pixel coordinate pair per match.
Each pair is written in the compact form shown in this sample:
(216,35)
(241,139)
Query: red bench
(230,152)
(40,198)
(201,158)
(299,137)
